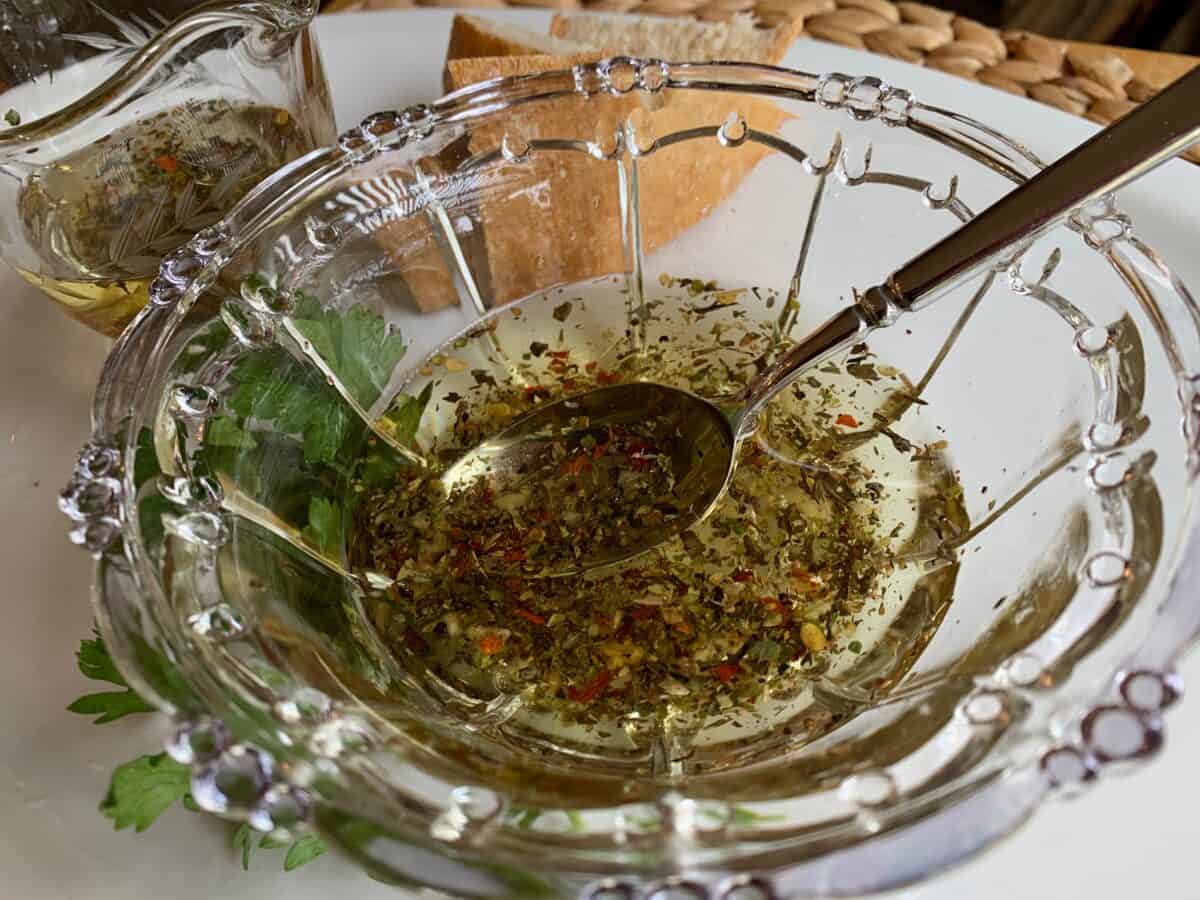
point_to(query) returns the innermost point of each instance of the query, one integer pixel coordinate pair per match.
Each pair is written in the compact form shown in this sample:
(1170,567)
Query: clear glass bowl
(1026,646)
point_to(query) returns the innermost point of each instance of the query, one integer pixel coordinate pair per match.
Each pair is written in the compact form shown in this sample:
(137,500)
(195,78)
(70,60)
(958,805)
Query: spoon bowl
(687,437)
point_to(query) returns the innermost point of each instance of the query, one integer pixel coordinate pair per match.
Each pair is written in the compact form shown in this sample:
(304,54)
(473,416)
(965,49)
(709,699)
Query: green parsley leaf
(527,816)
(145,458)
(765,649)
(12,117)
(743,816)
(150,512)
(273,387)
(141,790)
(96,663)
(110,705)
(404,416)
(325,435)
(161,674)
(401,420)
(378,468)
(243,839)
(224,431)
(357,344)
(303,851)
(324,528)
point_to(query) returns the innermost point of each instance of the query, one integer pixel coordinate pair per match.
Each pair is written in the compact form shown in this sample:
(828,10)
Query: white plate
(1130,837)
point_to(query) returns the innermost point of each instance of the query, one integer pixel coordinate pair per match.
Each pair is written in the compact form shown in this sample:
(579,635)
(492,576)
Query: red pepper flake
(530,616)
(606,377)
(166,162)
(536,392)
(517,554)
(491,644)
(542,515)
(808,581)
(559,354)
(642,613)
(601,449)
(558,366)
(741,576)
(576,464)
(516,585)
(568,384)
(590,367)
(592,689)
(726,672)
(641,456)
(684,627)
(463,562)
(772,603)
(846,419)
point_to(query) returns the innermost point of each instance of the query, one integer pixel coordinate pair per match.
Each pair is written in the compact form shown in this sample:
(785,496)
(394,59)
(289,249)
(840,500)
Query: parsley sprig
(285,411)
(95,663)
(144,788)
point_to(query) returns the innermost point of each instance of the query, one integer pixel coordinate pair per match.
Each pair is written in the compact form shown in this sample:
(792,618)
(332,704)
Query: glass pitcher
(130,126)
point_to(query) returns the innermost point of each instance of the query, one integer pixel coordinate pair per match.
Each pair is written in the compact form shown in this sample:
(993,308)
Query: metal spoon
(704,456)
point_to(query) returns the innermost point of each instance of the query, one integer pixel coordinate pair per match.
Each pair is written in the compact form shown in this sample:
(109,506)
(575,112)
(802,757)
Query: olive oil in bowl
(812,586)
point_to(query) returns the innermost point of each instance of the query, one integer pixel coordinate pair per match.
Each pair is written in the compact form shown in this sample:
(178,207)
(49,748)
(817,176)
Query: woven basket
(1085,80)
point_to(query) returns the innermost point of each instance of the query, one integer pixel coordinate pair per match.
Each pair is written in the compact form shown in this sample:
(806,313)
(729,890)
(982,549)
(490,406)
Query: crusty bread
(679,40)
(463,72)
(554,218)
(410,242)
(412,249)
(475,36)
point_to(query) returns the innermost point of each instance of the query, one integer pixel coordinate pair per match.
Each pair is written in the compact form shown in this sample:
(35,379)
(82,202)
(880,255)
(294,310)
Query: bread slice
(680,40)
(554,218)
(475,36)
(412,250)
(463,72)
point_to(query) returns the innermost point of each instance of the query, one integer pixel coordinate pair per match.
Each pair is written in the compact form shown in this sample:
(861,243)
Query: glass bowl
(1023,437)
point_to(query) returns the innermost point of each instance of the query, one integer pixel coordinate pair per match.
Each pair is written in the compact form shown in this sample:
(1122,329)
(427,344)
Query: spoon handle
(1126,150)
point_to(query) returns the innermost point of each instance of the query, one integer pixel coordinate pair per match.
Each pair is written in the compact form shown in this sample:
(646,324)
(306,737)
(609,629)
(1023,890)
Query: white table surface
(1129,837)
